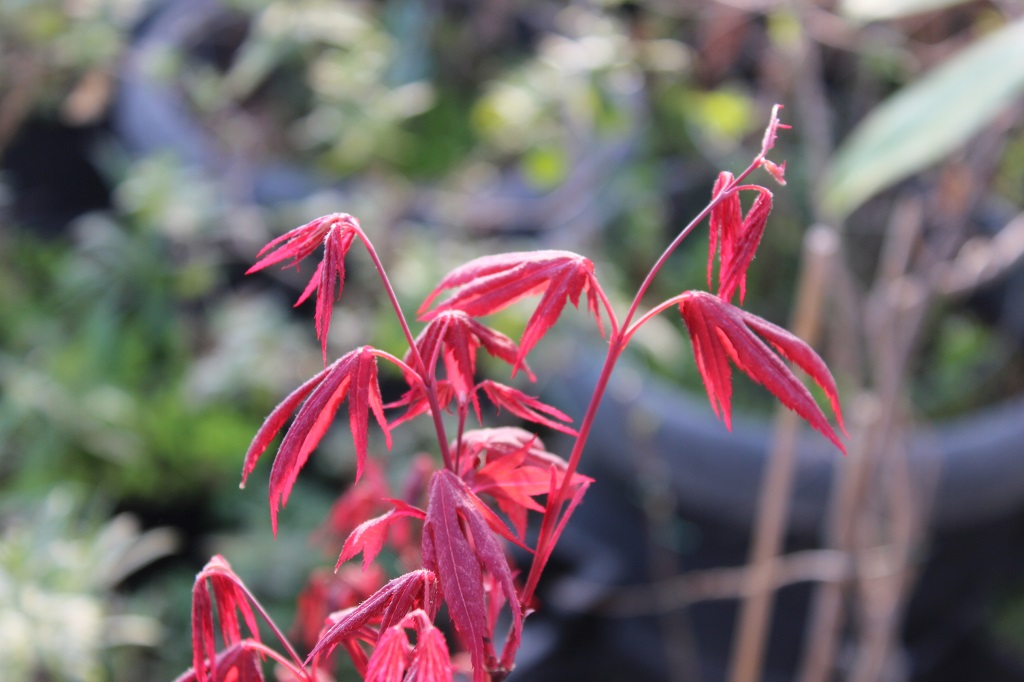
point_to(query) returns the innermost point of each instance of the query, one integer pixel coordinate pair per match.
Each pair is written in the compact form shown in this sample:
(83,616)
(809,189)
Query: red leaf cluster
(390,634)
(511,465)
(721,332)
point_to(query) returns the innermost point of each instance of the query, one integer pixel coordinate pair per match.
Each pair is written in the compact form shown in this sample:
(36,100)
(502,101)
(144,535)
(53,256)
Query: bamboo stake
(821,245)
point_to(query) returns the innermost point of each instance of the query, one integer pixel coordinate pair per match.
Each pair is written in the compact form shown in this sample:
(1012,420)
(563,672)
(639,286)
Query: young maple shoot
(452,523)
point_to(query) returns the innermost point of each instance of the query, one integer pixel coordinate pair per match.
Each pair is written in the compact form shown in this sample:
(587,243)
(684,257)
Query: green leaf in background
(874,10)
(927,120)
(545,166)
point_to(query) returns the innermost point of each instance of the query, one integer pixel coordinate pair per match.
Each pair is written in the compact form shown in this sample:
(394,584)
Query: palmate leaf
(721,332)
(230,598)
(336,233)
(354,376)
(458,545)
(492,283)
(455,337)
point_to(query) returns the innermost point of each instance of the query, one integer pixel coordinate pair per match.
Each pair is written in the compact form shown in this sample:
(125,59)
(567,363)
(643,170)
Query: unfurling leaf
(492,283)
(230,598)
(776,170)
(735,237)
(335,232)
(721,332)
(726,219)
(775,124)
(431,660)
(390,657)
(458,545)
(733,273)
(354,376)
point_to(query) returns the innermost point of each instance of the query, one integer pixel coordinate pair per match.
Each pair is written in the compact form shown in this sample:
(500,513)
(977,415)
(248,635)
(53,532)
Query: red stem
(300,671)
(619,340)
(267,619)
(424,371)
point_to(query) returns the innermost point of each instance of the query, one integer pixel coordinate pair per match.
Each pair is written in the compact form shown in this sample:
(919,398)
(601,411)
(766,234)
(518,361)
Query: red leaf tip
(771,133)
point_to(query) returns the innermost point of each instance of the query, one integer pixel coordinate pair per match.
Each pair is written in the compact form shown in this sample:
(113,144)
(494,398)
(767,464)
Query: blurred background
(148,148)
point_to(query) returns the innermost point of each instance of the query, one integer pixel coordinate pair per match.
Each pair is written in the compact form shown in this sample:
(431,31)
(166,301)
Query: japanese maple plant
(463,508)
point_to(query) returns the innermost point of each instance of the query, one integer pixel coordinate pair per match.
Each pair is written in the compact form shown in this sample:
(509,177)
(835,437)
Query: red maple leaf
(335,232)
(491,283)
(231,598)
(734,236)
(455,337)
(354,376)
(721,332)
(458,545)
(369,536)
(514,468)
